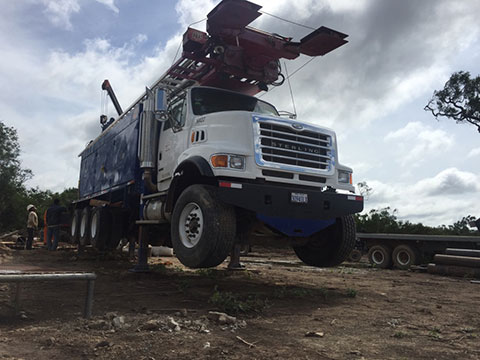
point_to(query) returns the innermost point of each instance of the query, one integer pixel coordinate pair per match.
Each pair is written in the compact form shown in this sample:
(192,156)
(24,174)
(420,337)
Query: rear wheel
(405,256)
(118,229)
(380,256)
(84,237)
(331,246)
(100,227)
(75,226)
(202,228)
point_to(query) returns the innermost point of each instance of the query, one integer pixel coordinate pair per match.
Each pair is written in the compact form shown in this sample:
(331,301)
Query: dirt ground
(281,310)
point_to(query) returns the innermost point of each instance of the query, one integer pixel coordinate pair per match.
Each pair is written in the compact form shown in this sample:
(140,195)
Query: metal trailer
(405,250)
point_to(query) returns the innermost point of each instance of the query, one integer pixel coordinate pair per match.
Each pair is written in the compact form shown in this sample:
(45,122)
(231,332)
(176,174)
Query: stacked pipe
(457,262)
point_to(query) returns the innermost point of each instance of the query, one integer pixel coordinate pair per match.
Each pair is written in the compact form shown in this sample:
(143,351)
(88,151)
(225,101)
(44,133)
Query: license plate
(299,198)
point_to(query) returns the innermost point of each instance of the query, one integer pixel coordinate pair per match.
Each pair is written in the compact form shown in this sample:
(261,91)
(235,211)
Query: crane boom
(108,88)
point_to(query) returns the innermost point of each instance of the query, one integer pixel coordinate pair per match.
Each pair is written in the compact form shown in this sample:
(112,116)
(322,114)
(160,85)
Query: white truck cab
(243,137)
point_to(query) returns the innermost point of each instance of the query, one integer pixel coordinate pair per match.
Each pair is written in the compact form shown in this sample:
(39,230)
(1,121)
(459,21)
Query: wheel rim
(191,225)
(378,257)
(94,225)
(73,229)
(403,258)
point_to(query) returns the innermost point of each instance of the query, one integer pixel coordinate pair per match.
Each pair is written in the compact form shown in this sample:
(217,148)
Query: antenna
(291,92)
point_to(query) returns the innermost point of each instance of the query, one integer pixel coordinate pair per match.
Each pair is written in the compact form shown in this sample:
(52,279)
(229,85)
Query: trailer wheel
(331,246)
(84,238)
(75,226)
(100,225)
(355,255)
(380,256)
(404,256)
(202,228)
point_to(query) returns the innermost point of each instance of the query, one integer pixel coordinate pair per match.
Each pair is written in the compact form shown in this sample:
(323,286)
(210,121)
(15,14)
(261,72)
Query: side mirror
(160,103)
(160,107)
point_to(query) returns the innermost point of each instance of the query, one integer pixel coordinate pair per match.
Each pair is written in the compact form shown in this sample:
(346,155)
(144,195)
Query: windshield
(208,100)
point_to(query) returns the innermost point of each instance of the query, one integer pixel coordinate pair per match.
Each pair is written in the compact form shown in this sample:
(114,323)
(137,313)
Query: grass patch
(211,273)
(351,293)
(400,334)
(291,292)
(184,285)
(233,304)
(159,268)
(435,334)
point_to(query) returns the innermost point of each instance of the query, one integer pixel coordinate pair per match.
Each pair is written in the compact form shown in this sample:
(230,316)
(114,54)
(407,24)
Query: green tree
(364,189)
(378,221)
(14,196)
(459,100)
(461,227)
(385,221)
(12,180)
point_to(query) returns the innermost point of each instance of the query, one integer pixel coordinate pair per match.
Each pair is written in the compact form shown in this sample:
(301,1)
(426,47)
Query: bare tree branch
(458,100)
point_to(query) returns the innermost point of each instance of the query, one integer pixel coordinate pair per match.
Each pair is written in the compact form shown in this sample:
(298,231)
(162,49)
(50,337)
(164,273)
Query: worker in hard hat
(32,224)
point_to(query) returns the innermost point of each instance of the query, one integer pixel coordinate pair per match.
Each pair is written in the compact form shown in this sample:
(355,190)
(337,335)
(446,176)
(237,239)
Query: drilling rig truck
(197,161)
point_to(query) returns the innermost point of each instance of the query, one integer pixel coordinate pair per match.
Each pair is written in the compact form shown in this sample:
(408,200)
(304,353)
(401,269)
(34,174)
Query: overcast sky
(56,53)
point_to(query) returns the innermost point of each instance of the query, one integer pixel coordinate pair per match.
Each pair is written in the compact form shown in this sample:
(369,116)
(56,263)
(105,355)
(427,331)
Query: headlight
(236,162)
(345,177)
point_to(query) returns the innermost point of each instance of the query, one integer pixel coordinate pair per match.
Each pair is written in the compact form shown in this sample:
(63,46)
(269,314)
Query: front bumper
(274,200)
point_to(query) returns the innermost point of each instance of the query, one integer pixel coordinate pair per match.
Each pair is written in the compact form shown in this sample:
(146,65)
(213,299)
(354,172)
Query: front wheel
(331,246)
(203,228)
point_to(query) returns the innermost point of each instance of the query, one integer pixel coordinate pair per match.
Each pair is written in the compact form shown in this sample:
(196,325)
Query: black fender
(194,170)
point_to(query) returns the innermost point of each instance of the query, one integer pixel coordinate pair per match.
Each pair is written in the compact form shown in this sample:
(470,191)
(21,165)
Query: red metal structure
(233,56)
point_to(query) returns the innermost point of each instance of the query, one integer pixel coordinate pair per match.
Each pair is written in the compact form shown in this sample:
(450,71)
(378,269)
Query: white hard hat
(30,207)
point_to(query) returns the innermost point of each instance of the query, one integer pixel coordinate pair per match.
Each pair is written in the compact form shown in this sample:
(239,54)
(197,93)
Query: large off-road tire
(202,228)
(118,229)
(331,246)
(84,233)
(100,227)
(380,256)
(75,226)
(405,256)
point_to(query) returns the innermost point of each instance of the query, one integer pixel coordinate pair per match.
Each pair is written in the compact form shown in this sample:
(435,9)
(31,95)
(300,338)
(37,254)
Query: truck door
(173,141)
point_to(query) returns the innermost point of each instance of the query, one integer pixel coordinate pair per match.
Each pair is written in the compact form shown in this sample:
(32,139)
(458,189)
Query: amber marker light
(219,161)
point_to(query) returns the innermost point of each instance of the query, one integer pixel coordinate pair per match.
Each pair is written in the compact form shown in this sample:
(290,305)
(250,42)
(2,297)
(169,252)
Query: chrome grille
(279,145)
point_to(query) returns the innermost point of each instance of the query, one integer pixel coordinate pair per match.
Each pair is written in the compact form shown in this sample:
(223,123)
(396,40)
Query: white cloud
(416,142)
(110,4)
(450,181)
(191,11)
(63,92)
(60,11)
(441,199)
(474,152)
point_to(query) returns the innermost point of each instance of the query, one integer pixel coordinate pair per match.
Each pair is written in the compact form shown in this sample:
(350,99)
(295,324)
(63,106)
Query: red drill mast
(240,58)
